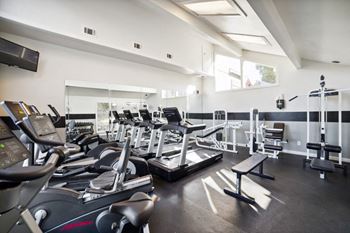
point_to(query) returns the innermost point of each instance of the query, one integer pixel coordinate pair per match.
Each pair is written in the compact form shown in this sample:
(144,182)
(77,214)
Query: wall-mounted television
(13,54)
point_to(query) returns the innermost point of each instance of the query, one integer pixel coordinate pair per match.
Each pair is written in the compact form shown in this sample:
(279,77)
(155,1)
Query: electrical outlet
(299,143)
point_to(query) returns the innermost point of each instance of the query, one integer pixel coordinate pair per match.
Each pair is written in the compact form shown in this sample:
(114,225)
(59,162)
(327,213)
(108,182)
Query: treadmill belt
(168,148)
(192,157)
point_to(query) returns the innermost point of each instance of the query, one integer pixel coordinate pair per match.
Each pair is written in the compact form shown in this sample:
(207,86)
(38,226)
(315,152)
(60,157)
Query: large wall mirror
(89,105)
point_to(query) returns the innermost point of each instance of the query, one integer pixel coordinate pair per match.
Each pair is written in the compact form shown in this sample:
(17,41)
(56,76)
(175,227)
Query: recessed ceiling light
(220,7)
(253,39)
(336,62)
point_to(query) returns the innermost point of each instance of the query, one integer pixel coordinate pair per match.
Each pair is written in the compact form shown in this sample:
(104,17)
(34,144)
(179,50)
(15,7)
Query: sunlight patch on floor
(210,200)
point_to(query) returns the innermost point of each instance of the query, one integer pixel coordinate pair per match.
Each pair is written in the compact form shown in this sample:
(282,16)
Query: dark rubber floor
(297,201)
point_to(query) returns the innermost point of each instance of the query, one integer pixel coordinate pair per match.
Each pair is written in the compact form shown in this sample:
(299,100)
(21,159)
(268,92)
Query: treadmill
(137,129)
(173,167)
(151,149)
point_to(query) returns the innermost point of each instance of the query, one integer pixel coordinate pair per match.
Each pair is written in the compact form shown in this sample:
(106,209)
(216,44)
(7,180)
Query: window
(102,117)
(227,73)
(167,94)
(257,75)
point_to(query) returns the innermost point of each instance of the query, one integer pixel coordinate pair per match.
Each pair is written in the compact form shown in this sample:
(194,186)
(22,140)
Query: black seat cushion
(275,133)
(322,165)
(332,148)
(137,209)
(273,147)
(313,146)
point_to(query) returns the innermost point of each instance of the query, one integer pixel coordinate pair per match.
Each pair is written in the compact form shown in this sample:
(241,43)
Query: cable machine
(322,162)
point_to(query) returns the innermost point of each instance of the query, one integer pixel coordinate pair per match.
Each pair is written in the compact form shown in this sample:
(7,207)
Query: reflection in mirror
(89,106)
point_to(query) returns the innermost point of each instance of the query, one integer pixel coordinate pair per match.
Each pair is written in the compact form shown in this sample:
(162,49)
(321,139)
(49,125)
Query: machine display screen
(27,108)
(172,115)
(116,115)
(42,125)
(146,116)
(5,132)
(14,110)
(11,150)
(128,115)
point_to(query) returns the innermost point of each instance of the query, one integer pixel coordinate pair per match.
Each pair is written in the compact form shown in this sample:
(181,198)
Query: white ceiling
(320,29)
(250,24)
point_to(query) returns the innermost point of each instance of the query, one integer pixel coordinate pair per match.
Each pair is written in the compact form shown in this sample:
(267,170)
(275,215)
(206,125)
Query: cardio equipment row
(53,186)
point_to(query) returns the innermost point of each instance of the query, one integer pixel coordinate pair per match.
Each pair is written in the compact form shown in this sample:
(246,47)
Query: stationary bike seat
(138,209)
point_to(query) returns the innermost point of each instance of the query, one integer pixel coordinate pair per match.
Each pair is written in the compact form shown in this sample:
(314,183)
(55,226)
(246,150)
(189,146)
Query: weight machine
(263,139)
(217,136)
(322,162)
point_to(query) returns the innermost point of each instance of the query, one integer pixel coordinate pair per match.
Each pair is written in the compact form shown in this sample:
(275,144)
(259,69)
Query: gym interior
(169,116)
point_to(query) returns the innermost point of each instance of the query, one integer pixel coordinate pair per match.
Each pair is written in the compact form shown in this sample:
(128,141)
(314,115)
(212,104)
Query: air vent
(89,31)
(137,46)
(168,55)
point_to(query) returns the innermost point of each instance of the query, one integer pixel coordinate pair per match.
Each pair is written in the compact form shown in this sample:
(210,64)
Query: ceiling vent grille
(89,31)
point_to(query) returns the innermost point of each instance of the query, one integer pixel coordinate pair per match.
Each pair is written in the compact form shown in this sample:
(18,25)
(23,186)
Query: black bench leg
(237,194)
(261,173)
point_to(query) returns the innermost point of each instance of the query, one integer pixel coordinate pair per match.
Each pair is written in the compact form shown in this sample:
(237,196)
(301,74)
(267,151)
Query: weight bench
(245,167)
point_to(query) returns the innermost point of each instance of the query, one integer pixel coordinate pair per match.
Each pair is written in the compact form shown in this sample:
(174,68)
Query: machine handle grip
(293,98)
(33,172)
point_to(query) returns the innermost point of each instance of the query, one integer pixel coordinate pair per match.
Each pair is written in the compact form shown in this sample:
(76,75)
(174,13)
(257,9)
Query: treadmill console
(14,110)
(128,115)
(172,115)
(145,114)
(11,150)
(115,115)
(43,127)
(29,111)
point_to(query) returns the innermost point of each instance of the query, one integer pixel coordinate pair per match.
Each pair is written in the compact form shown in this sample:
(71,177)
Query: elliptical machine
(62,209)
(19,186)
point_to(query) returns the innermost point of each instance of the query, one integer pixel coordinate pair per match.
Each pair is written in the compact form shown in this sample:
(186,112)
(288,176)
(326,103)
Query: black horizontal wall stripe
(80,116)
(332,116)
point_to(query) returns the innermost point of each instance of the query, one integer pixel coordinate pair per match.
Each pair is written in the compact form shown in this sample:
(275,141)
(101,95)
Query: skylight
(253,39)
(221,7)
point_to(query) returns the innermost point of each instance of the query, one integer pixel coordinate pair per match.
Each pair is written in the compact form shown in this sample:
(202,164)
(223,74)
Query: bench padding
(249,164)
(313,146)
(273,147)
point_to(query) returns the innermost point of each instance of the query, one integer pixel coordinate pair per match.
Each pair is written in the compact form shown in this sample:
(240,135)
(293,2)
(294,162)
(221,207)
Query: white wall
(291,82)
(58,64)
(118,24)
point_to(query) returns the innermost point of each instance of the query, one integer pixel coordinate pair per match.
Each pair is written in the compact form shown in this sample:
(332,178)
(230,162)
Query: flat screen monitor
(13,54)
